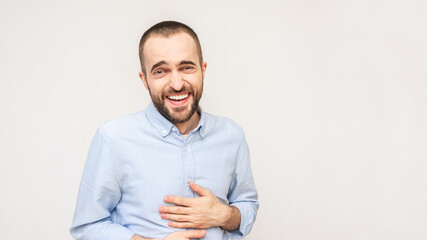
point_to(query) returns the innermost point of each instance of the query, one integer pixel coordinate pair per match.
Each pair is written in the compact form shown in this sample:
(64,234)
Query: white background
(332,96)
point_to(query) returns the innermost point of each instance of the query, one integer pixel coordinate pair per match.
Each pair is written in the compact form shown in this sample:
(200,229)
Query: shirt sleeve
(243,193)
(99,194)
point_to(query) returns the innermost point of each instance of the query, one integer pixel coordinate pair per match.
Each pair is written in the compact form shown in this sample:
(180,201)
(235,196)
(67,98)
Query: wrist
(225,215)
(232,219)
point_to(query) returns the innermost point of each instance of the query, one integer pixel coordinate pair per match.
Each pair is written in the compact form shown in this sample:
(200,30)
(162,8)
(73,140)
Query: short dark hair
(167,29)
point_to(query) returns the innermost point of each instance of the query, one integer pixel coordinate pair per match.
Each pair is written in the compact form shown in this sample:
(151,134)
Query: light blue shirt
(136,160)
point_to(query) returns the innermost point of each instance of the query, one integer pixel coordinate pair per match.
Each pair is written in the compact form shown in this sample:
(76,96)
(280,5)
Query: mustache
(185,88)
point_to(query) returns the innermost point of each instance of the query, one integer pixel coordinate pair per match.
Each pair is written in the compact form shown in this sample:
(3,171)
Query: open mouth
(178,100)
(178,97)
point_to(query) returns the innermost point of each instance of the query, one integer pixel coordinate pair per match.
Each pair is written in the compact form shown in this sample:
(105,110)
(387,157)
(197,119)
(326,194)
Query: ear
(144,80)
(204,66)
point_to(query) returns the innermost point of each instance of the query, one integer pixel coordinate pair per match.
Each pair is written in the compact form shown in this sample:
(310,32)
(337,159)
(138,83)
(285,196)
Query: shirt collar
(164,127)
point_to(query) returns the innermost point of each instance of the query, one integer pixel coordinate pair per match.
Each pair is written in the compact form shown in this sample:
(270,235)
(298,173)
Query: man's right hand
(183,235)
(186,235)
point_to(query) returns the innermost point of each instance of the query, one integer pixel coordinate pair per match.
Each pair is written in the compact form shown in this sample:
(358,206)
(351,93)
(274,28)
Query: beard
(178,114)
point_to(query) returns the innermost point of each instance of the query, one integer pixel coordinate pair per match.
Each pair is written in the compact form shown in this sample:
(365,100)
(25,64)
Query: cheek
(196,82)
(157,88)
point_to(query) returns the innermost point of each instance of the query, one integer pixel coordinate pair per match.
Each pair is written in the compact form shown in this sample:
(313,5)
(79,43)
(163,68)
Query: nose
(176,81)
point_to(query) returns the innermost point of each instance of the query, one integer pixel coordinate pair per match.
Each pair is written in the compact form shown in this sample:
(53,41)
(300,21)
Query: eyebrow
(184,62)
(187,63)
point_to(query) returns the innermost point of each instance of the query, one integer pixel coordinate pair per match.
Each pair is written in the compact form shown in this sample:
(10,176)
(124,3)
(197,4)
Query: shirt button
(185,148)
(164,131)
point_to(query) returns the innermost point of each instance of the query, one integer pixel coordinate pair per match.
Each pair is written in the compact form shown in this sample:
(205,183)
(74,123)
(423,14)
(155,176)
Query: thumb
(198,189)
(195,233)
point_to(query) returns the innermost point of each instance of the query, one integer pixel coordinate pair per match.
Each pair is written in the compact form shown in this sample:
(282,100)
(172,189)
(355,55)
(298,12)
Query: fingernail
(161,209)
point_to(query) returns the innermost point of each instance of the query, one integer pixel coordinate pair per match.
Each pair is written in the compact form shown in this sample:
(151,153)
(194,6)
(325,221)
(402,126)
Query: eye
(158,71)
(188,69)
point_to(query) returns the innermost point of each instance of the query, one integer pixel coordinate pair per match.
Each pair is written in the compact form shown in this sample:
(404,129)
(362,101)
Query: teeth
(177,98)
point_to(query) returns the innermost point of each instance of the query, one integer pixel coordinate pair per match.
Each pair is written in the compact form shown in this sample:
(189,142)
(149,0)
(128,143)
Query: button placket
(188,166)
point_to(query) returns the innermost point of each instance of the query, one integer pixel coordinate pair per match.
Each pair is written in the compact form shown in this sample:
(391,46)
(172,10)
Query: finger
(176,217)
(199,189)
(175,210)
(195,233)
(186,202)
(184,225)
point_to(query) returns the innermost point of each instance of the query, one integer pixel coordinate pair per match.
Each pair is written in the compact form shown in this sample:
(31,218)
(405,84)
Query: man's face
(173,76)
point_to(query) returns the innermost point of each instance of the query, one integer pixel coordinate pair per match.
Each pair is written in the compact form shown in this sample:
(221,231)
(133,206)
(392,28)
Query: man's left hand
(203,212)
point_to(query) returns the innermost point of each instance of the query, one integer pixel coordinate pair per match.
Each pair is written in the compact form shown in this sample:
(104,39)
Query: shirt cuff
(247,219)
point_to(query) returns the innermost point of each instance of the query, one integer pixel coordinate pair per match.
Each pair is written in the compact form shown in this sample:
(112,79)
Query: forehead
(173,49)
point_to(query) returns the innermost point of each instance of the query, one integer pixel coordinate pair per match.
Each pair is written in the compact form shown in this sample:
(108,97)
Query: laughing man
(171,171)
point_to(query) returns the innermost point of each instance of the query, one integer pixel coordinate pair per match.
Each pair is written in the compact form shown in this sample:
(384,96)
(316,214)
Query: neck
(186,127)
